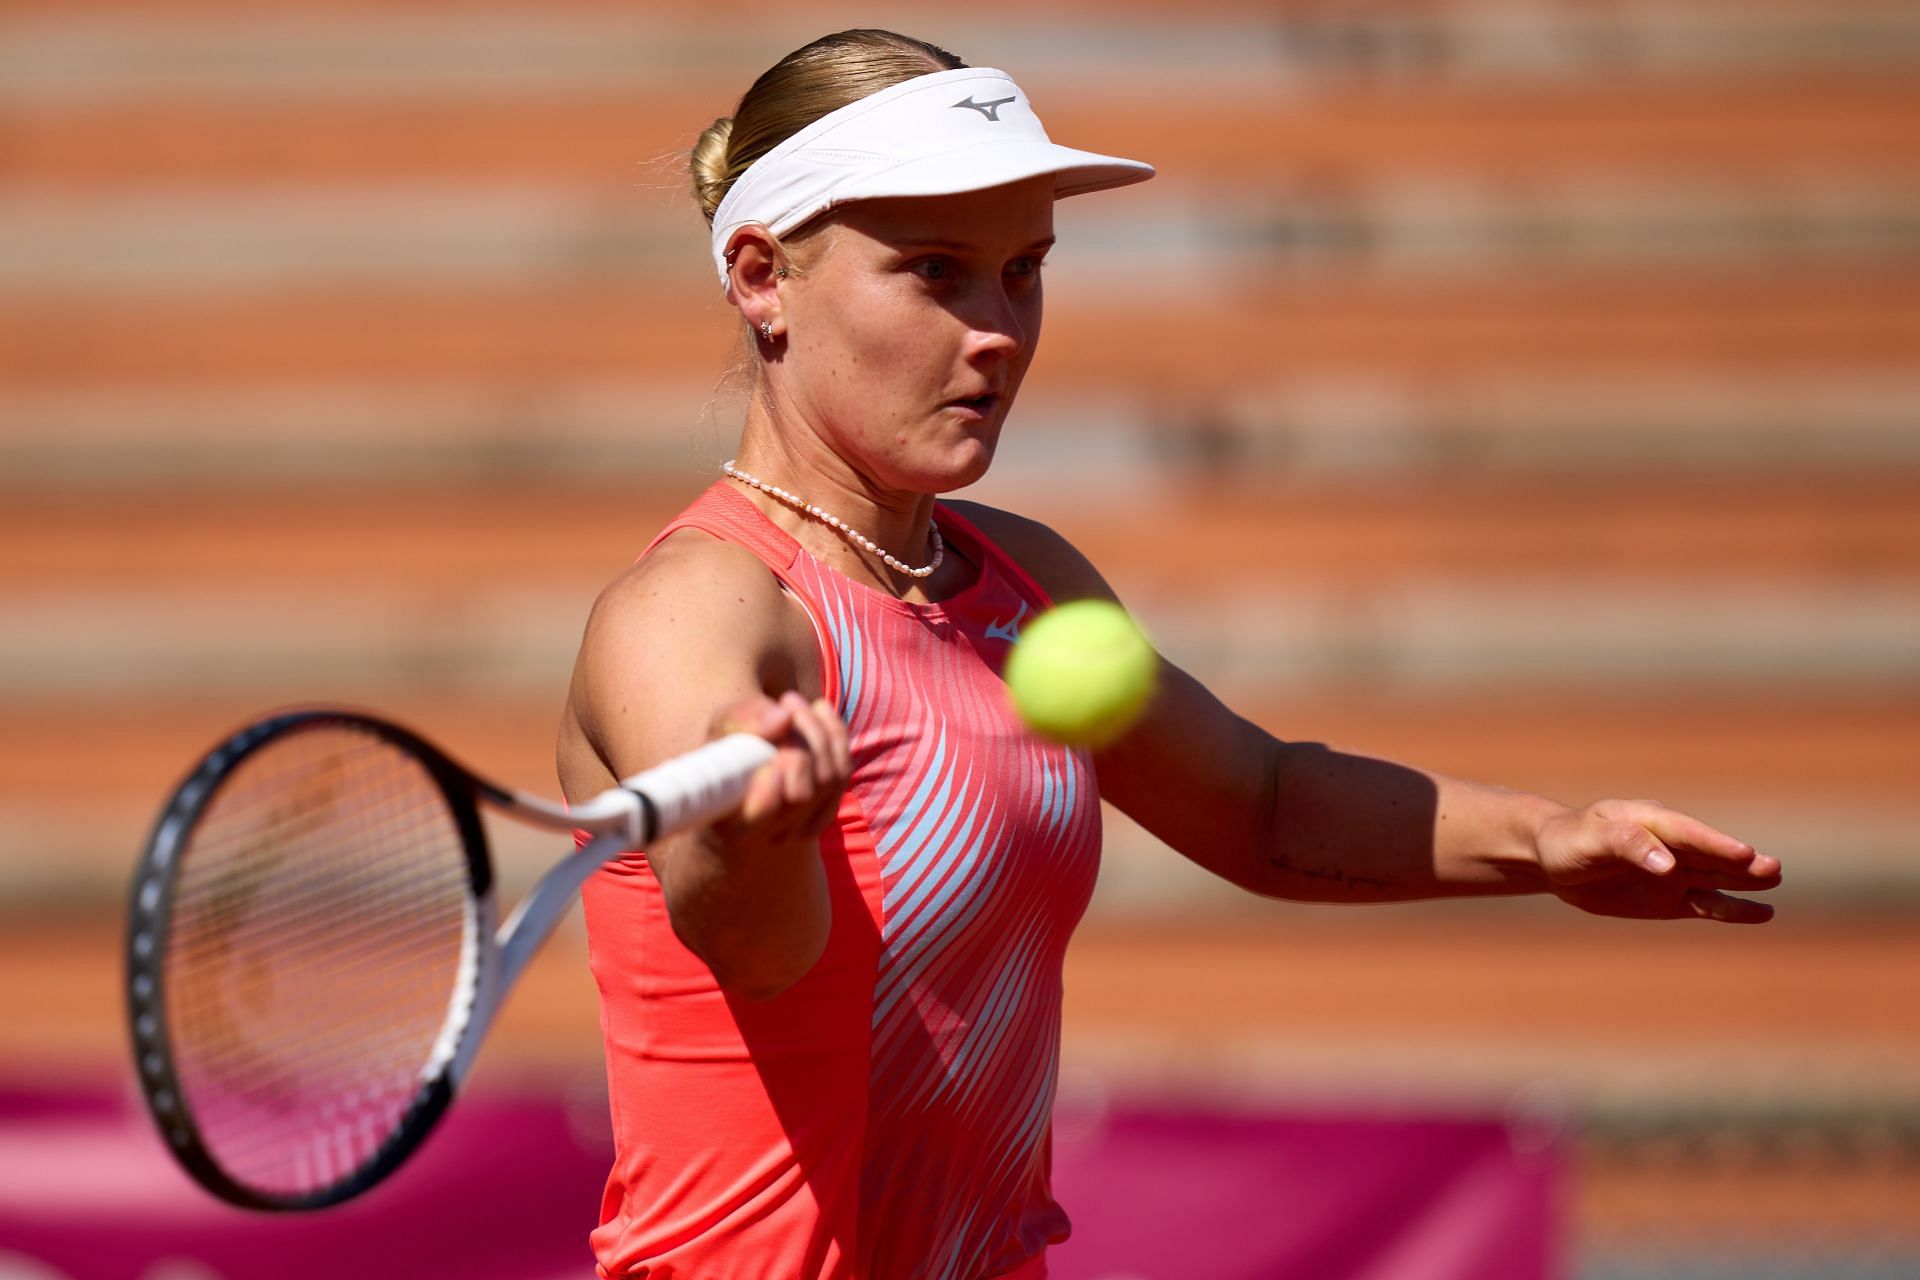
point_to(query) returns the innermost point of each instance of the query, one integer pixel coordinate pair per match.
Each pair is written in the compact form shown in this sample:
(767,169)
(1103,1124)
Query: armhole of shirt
(715,514)
(992,552)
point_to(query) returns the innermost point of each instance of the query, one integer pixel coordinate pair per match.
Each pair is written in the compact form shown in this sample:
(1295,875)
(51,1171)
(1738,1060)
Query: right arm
(694,641)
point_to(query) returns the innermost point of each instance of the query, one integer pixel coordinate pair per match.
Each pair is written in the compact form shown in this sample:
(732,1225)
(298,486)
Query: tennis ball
(1081,673)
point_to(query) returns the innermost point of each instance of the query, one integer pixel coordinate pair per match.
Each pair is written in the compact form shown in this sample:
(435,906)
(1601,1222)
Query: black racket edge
(149,912)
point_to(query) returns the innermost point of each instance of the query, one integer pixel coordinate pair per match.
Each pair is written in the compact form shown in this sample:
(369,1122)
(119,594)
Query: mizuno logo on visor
(991,110)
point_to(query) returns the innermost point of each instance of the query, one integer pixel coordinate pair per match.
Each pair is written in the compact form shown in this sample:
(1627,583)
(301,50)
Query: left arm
(1301,821)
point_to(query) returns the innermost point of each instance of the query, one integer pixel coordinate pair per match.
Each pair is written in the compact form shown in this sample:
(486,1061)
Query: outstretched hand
(1642,860)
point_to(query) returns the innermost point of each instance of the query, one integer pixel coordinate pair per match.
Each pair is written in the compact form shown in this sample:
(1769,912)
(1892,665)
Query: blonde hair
(808,83)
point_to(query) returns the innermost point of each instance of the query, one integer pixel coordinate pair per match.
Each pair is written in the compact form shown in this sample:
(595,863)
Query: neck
(900,522)
(860,541)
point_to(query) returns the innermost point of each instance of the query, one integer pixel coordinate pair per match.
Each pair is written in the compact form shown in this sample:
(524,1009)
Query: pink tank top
(887,1117)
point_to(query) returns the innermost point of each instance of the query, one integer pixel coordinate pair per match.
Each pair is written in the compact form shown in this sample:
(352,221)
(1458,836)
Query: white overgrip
(700,786)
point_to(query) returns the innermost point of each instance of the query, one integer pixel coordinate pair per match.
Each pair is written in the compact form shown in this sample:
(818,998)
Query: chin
(939,461)
(961,482)
(963,467)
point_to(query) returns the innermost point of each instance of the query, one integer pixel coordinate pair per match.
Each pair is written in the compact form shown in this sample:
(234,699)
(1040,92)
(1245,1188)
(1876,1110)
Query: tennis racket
(312,958)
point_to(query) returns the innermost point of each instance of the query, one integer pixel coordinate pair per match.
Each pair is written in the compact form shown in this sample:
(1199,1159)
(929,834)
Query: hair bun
(709,163)
(808,83)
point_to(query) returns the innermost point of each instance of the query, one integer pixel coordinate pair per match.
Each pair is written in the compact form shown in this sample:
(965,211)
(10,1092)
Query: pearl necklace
(852,535)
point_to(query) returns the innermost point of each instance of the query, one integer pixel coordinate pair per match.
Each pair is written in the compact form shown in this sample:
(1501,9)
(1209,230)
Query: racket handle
(698,787)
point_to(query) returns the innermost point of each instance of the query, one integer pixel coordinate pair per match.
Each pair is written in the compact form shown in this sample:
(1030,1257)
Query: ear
(755,268)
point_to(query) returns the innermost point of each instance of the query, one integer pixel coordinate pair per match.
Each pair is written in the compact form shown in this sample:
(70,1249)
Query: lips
(981,404)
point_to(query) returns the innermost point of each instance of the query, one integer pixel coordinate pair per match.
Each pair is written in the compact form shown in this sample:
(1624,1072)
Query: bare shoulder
(1054,562)
(692,583)
(693,626)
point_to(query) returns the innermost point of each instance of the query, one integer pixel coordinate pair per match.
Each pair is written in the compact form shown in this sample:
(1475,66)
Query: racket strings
(320,939)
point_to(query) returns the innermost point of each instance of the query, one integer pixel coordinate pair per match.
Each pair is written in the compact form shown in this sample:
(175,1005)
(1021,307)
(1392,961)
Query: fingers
(761,715)
(1689,842)
(1737,881)
(763,796)
(1678,828)
(832,757)
(809,723)
(1617,840)
(794,761)
(817,774)
(1644,849)
(1705,848)
(1710,905)
(797,793)
(757,714)
(1642,860)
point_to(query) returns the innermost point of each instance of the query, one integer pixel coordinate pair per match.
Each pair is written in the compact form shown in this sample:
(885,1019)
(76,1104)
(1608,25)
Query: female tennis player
(832,1022)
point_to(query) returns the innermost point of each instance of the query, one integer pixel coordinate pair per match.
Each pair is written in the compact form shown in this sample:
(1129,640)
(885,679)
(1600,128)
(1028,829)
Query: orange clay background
(1528,392)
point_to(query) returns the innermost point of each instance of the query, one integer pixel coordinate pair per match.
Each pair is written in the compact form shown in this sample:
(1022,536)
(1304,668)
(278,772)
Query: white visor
(933,135)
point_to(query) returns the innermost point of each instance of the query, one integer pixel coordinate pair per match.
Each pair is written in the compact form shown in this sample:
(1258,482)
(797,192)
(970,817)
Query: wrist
(1516,857)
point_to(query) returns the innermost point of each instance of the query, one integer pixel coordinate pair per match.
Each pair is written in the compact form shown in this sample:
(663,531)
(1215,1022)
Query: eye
(1026,267)
(933,270)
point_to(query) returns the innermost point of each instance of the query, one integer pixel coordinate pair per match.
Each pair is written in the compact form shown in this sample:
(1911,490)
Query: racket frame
(147,938)
(680,793)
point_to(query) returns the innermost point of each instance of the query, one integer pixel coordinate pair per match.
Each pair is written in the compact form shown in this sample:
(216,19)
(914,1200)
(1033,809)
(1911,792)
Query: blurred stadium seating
(1527,390)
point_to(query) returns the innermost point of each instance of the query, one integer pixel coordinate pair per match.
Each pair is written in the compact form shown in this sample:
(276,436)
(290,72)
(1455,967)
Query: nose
(1003,324)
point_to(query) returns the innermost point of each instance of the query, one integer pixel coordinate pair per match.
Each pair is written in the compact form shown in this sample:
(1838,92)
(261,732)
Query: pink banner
(508,1189)
(1189,1195)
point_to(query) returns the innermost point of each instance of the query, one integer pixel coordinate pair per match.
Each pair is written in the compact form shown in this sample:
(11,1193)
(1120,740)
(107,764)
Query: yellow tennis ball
(1081,673)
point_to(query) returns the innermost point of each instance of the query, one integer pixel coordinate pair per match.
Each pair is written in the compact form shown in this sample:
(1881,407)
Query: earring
(780,273)
(766,331)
